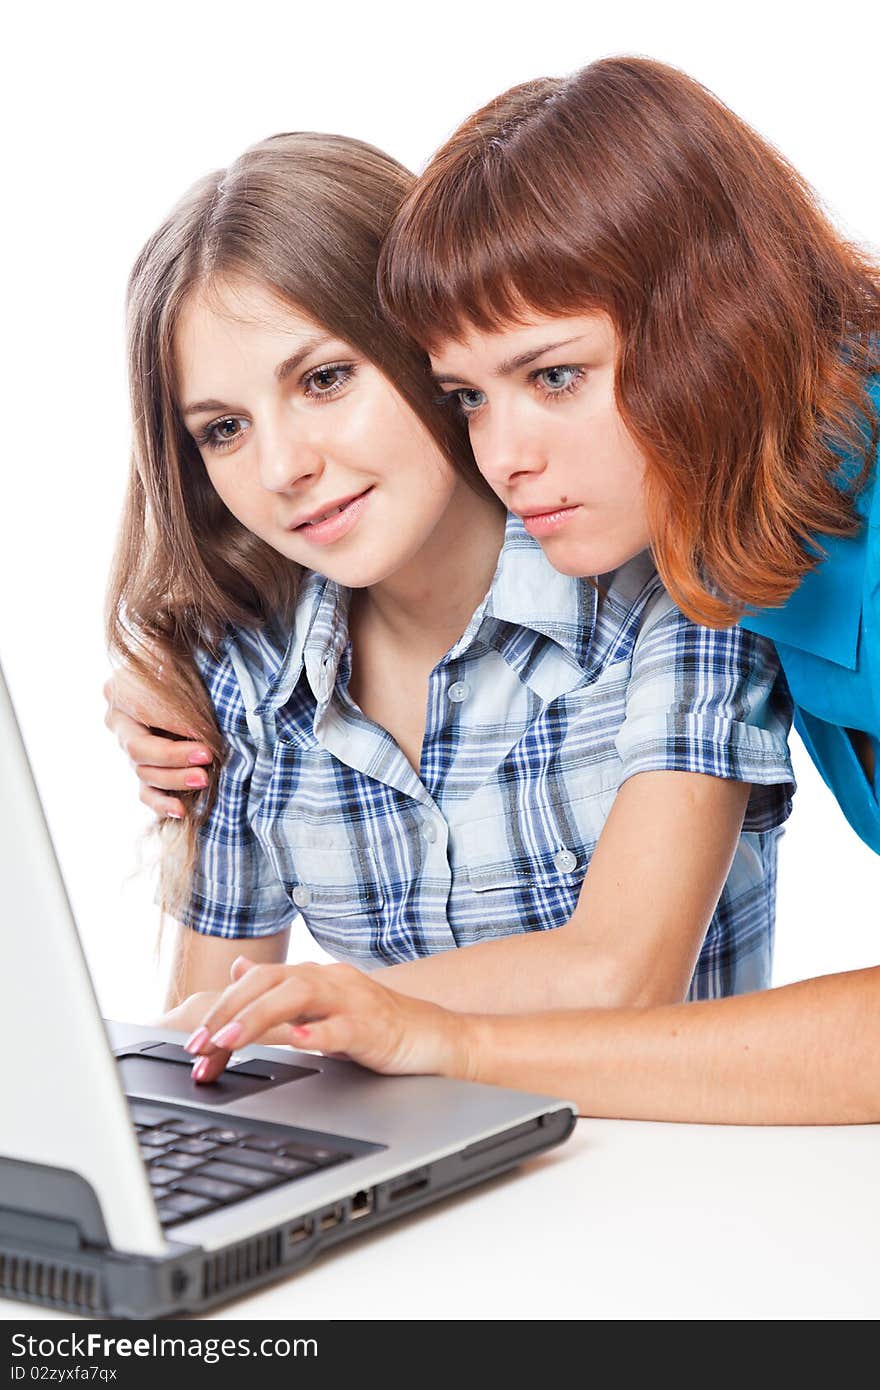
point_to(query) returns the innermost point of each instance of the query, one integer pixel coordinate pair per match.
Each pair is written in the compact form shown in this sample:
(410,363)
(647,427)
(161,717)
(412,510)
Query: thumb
(240,966)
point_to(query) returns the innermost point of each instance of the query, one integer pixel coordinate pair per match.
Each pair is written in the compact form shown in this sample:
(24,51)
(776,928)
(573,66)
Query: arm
(808,1053)
(202,963)
(646,902)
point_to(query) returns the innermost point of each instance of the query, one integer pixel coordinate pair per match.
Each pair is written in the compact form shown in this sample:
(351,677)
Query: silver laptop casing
(60,1078)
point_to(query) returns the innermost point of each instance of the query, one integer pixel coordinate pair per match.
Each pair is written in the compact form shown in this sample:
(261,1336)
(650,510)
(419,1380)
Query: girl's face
(304,439)
(544,426)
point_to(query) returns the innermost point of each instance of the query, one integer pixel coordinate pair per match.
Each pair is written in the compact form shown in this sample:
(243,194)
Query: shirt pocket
(329,875)
(528,865)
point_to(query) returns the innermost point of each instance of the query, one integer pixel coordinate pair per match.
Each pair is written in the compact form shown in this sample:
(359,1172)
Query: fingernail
(228,1036)
(197,1041)
(199,756)
(300,1032)
(174,815)
(196,779)
(201,1066)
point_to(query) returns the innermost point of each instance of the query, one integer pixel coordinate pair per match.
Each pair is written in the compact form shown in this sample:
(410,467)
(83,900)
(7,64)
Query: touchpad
(165,1070)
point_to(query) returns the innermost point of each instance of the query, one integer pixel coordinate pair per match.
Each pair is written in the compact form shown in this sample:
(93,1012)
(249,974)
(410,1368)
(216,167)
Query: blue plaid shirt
(556,693)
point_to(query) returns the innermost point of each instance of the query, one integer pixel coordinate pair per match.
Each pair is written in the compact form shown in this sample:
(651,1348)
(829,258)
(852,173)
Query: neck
(429,603)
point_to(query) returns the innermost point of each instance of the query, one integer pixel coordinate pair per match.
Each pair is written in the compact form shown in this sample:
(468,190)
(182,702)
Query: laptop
(127,1191)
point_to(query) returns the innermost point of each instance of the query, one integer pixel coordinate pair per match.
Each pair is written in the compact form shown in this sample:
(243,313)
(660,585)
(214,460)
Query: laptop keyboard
(196,1166)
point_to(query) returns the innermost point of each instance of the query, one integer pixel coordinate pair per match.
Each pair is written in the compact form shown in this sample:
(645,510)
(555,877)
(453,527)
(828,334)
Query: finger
(143,704)
(208,1068)
(237,996)
(240,966)
(172,779)
(291,1001)
(144,747)
(162,806)
(328,1035)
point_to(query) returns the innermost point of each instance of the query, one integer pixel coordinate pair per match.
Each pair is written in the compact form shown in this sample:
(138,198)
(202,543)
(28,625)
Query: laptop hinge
(51,1205)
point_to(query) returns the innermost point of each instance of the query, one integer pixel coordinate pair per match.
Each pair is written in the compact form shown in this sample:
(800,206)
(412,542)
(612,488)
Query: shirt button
(458,691)
(565,861)
(429,832)
(301,895)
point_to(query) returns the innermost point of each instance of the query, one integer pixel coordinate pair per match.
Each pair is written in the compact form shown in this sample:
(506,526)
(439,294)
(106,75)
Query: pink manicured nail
(200,756)
(197,1040)
(201,1066)
(195,779)
(300,1032)
(228,1036)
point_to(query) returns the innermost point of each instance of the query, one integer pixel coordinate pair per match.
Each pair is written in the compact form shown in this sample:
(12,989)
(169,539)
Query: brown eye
(328,380)
(221,433)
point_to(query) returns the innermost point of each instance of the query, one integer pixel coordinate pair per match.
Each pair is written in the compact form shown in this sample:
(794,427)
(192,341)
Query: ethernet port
(361,1205)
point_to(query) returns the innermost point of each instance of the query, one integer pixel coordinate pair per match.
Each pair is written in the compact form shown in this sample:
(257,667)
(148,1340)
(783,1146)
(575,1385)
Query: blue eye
(470,399)
(558,379)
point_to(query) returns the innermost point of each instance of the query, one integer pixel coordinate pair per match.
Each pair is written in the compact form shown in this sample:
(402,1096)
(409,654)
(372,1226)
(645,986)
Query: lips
(327,510)
(548,520)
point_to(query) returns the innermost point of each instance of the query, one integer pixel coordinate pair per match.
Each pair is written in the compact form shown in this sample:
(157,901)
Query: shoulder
(240,670)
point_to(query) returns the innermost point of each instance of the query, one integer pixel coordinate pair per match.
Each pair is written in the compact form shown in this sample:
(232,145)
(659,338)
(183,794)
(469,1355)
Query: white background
(111,112)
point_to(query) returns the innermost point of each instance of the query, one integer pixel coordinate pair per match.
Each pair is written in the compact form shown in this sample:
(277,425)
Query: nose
(507,449)
(287,456)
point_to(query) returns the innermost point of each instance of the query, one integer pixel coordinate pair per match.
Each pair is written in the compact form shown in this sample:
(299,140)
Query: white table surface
(625,1220)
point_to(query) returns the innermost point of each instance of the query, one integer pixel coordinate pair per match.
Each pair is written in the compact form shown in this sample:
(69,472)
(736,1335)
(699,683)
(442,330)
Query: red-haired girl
(656,338)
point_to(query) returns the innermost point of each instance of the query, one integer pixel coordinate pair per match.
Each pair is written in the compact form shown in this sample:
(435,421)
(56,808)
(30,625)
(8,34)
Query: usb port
(331,1219)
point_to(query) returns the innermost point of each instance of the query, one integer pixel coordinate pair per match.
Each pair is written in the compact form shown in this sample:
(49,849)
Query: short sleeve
(235,890)
(710,701)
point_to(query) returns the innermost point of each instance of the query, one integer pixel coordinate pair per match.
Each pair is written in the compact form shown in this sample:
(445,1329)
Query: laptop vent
(243,1262)
(63,1285)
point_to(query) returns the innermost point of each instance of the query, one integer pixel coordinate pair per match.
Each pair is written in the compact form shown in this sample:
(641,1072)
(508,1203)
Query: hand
(189,1014)
(333,1009)
(170,761)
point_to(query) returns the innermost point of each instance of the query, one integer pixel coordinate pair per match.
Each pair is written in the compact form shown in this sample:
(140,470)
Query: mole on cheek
(562,501)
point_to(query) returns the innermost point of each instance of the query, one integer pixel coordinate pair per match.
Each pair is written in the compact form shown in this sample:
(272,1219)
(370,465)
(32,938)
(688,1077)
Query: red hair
(748,327)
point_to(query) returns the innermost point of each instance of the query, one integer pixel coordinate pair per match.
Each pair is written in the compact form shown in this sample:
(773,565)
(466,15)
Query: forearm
(202,963)
(808,1053)
(518,974)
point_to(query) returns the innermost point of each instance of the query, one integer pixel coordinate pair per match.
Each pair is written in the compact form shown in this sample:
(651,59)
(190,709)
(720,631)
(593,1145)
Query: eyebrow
(282,372)
(513,364)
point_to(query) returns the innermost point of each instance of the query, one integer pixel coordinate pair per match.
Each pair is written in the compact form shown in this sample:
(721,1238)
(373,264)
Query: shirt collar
(316,645)
(526,591)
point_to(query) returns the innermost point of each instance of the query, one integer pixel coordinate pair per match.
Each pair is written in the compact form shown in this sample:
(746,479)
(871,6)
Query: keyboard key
(168,1214)
(146,1115)
(149,1153)
(191,1128)
(269,1163)
(196,1146)
(265,1145)
(188,1204)
(159,1176)
(155,1139)
(160,1193)
(313,1153)
(181,1161)
(212,1187)
(227,1136)
(234,1172)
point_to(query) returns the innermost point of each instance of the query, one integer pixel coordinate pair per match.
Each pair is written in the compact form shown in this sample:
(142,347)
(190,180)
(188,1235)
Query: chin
(583,560)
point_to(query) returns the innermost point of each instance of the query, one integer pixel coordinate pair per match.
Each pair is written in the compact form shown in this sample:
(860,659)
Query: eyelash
(454,397)
(206,438)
